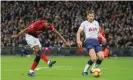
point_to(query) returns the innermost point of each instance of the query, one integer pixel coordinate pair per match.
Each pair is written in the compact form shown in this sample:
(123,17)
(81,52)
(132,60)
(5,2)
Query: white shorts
(32,41)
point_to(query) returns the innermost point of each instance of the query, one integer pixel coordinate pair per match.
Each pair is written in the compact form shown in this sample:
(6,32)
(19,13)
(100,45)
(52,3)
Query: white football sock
(95,65)
(48,62)
(31,71)
(86,67)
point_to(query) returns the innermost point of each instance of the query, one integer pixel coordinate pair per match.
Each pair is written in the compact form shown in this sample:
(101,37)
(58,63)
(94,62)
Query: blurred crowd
(116,18)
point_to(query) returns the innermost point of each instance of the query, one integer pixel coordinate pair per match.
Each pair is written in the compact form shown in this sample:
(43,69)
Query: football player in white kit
(91,30)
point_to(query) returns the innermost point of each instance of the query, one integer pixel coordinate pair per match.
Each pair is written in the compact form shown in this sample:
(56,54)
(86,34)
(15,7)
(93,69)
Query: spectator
(67,17)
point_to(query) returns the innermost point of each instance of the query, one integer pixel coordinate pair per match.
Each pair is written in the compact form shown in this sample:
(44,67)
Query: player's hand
(79,44)
(103,40)
(68,44)
(13,36)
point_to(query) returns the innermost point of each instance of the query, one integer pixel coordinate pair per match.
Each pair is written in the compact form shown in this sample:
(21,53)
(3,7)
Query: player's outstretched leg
(100,56)
(90,62)
(43,56)
(87,66)
(49,62)
(34,65)
(97,63)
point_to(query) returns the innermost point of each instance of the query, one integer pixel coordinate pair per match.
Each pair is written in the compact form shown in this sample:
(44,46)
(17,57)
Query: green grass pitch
(66,68)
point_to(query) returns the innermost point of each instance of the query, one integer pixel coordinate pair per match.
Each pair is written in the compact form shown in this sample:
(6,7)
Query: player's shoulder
(84,22)
(96,22)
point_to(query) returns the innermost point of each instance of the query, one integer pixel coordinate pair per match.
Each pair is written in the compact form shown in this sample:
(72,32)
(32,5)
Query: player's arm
(103,38)
(78,37)
(80,30)
(20,33)
(61,37)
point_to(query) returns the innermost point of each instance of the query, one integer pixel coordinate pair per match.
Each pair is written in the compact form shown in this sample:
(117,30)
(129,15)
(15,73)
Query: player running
(32,32)
(91,30)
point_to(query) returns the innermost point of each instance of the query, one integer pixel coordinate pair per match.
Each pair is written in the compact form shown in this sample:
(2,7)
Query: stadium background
(116,18)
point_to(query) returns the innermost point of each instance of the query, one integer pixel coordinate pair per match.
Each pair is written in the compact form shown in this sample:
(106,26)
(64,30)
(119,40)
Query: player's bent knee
(100,55)
(36,48)
(93,59)
(92,54)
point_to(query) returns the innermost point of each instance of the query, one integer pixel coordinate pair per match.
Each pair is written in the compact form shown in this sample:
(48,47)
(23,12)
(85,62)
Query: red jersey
(103,34)
(36,28)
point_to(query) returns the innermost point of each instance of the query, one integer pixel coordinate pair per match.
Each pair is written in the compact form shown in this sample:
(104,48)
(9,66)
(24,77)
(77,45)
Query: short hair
(90,12)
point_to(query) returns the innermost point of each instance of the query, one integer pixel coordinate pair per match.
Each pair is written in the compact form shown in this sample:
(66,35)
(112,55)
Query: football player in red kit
(32,32)
(102,33)
(105,50)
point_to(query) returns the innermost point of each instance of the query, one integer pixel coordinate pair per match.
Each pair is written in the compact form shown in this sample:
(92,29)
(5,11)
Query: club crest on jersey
(93,29)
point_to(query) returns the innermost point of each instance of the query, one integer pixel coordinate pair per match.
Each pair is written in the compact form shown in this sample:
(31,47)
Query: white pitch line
(41,68)
(56,67)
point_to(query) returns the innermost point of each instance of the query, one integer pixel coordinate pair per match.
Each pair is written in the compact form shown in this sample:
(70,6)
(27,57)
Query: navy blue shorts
(92,44)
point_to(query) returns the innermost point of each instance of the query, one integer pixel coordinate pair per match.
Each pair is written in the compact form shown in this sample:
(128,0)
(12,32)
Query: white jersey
(90,29)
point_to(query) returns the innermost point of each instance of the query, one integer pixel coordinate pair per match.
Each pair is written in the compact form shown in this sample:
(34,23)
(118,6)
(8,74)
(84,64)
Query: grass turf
(66,68)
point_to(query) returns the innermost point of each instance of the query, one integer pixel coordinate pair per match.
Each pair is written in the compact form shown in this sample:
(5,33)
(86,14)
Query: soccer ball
(96,72)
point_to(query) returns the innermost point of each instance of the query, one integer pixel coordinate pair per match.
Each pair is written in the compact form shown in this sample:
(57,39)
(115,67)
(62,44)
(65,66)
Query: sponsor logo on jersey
(93,29)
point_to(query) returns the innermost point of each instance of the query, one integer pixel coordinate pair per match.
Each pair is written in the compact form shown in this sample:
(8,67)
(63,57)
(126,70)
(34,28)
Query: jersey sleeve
(30,27)
(34,25)
(52,28)
(82,26)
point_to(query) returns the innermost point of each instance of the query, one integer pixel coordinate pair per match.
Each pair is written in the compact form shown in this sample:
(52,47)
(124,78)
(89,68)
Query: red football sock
(44,57)
(34,65)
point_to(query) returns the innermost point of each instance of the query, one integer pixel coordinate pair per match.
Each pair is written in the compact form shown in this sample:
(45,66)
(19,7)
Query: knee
(36,48)
(101,57)
(92,54)
(93,59)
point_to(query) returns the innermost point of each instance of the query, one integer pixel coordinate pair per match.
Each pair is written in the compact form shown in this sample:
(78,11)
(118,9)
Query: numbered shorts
(92,44)
(32,41)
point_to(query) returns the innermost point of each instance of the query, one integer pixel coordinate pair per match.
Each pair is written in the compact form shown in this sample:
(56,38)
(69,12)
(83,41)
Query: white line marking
(56,67)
